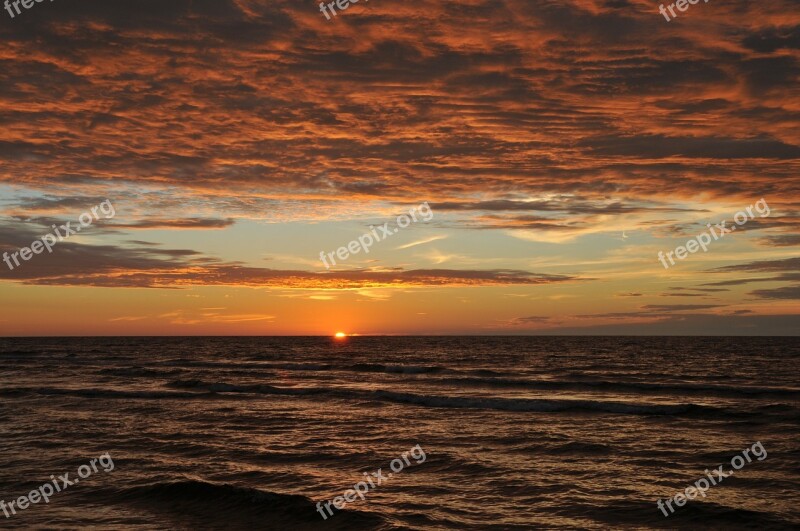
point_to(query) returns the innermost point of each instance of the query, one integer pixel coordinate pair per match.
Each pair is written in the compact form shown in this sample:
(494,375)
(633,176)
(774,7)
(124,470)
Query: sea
(495,433)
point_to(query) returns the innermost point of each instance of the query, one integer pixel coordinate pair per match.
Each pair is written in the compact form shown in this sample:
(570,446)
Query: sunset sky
(560,145)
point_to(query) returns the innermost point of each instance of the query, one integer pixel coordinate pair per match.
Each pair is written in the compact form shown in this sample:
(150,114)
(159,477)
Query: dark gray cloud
(786,292)
(782,240)
(694,325)
(660,146)
(772,39)
(184,223)
(785,264)
(678,307)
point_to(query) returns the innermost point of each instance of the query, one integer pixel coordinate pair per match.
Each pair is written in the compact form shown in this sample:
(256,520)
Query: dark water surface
(518,433)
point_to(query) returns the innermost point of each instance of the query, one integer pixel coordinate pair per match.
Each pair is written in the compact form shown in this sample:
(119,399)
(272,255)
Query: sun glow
(340,335)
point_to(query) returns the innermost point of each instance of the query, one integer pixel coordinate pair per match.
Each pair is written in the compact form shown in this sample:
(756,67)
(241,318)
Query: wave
(289,366)
(542,405)
(217,506)
(637,387)
(300,366)
(395,369)
(502,404)
(491,378)
(15,353)
(200,389)
(135,372)
(222,387)
(101,393)
(577,447)
(693,515)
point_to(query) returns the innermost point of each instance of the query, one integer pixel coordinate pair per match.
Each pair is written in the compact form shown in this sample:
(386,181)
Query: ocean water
(516,432)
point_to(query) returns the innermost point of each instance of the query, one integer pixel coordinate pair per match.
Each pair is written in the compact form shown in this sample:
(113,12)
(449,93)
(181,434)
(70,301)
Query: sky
(550,151)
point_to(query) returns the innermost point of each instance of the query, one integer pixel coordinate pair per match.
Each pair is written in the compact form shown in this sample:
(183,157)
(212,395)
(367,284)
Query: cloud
(438,112)
(785,264)
(782,240)
(788,269)
(791,265)
(569,121)
(702,290)
(771,39)
(566,205)
(660,146)
(107,275)
(175,224)
(786,292)
(52,203)
(784,277)
(678,307)
(74,264)
(421,242)
(736,324)
(532,319)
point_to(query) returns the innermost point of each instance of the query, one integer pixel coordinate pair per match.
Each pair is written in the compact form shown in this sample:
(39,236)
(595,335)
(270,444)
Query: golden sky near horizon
(559,145)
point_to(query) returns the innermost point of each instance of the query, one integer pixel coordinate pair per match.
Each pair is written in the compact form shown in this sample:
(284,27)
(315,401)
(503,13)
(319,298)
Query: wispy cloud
(421,242)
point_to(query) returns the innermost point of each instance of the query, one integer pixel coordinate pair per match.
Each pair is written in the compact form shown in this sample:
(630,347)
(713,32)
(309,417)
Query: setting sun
(340,335)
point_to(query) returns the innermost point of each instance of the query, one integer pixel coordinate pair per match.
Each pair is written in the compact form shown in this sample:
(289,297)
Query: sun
(340,335)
